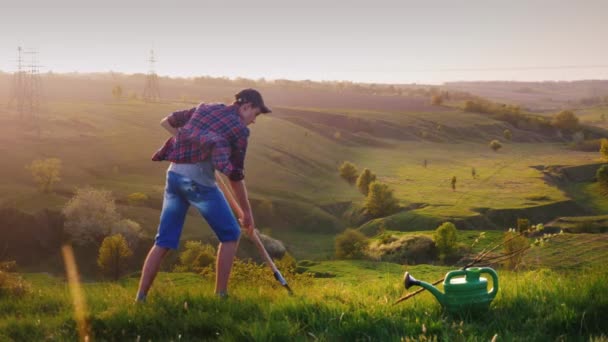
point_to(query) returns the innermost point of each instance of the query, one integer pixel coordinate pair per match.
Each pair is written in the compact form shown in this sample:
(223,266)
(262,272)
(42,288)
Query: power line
(151,90)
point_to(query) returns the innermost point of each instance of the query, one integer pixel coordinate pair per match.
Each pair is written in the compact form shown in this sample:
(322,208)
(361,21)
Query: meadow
(537,305)
(559,293)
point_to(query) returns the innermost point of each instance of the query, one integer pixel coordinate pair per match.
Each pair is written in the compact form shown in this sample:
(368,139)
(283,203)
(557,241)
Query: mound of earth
(410,249)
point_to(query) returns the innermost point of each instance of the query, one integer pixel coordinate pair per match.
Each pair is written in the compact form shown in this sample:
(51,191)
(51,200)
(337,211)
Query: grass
(588,195)
(288,163)
(356,305)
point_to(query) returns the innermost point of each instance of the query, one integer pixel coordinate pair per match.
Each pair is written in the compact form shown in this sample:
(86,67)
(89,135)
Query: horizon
(392,42)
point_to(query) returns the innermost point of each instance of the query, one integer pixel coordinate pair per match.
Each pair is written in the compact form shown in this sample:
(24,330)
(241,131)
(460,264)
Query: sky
(378,41)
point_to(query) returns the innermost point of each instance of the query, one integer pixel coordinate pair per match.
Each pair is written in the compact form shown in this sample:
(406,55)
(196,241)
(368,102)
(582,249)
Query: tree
(436,100)
(380,200)
(495,145)
(91,215)
(114,255)
(604,148)
(565,120)
(45,173)
(507,134)
(602,179)
(195,257)
(364,180)
(117,92)
(348,171)
(445,239)
(351,244)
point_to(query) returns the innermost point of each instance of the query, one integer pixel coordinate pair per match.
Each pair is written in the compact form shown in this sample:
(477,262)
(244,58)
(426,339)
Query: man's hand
(247,222)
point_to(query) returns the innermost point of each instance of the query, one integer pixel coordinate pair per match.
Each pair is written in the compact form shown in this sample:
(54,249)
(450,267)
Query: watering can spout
(410,281)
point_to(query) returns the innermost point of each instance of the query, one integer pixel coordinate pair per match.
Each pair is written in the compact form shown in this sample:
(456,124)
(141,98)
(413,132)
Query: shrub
(364,180)
(114,255)
(380,200)
(409,249)
(195,257)
(253,274)
(495,145)
(45,173)
(265,209)
(445,238)
(137,198)
(117,92)
(514,242)
(436,100)
(348,171)
(565,120)
(351,244)
(602,179)
(91,215)
(523,225)
(12,285)
(604,148)
(507,134)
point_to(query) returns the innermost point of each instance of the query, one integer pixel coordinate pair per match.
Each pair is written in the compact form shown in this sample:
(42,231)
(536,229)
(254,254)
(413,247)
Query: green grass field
(356,305)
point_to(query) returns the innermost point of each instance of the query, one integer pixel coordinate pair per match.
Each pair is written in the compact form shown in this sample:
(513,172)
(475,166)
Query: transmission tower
(151,91)
(26,88)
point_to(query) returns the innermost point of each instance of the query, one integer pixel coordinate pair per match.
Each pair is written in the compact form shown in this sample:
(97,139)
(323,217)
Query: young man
(206,138)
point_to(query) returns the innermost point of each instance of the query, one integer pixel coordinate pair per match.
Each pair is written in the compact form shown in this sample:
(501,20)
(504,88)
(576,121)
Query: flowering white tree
(91,215)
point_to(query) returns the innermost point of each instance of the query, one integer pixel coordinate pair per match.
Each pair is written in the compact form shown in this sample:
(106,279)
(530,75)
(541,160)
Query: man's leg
(149,270)
(223,266)
(172,219)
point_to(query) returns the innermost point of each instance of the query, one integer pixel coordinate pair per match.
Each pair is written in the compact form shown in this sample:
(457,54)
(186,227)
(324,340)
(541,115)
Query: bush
(514,242)
(11,284)
(604,148)
(91,215)
(364,180)
(495,145)
(602,179)
(507,134)
(351,244)
(137,198)
(253,274)
(114,255)
(410,249)
(348,171)
(445,238)
(45,173)
(436,100)
(523,225)
(195,257)
(565,120)
(380,200)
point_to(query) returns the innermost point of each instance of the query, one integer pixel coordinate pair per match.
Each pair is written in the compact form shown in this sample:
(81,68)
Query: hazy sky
(403,41)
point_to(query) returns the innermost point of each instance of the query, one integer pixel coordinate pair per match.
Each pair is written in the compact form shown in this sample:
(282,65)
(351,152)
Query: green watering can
(464,289)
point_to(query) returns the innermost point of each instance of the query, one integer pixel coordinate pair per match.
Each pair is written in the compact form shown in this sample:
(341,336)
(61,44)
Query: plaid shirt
(212,130)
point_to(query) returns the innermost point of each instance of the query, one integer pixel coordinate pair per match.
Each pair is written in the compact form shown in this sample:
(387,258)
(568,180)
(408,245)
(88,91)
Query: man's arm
(166,125)
(240,192)
(240,204)
(176,120)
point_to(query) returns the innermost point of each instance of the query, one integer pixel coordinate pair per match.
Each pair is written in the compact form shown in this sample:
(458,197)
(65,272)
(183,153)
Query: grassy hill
(292,162)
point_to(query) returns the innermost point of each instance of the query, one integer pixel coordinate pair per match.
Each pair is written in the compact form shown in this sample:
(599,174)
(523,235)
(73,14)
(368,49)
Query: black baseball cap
(252,96)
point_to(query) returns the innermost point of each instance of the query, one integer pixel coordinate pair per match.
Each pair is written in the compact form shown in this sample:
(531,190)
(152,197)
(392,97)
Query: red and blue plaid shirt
(214,130)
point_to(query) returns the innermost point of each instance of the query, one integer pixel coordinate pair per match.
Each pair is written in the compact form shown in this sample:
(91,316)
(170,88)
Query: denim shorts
(180,193)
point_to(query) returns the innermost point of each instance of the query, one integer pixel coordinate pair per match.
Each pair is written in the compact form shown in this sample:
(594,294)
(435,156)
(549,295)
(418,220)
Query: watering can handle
(492,273)
(453,274)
